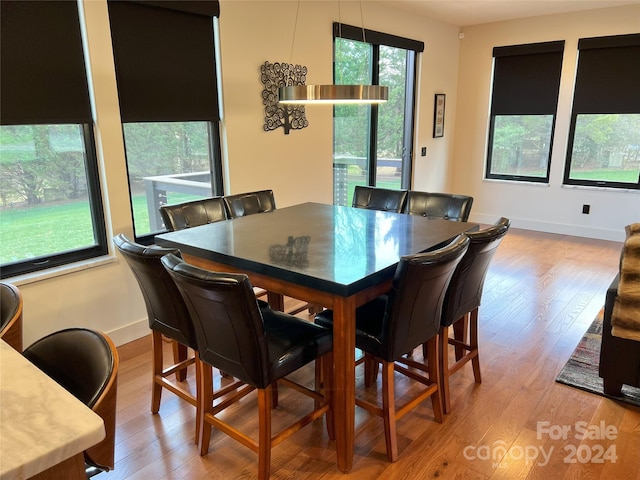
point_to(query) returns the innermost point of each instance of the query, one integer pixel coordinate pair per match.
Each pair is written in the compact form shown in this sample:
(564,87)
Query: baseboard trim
(562,229)
(129,333)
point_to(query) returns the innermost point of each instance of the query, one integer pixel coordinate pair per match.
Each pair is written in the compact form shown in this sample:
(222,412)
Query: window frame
(581,106)
(503,103)
(56,56)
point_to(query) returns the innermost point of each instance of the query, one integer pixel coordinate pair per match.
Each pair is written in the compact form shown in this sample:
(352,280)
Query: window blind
(165,60)
(43,77)
(349,32)
(526,79)
(608,75)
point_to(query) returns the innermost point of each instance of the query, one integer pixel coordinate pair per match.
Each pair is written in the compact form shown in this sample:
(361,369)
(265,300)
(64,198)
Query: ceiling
(474,12)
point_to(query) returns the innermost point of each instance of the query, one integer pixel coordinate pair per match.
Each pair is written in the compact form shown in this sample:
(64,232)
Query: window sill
(602,189)
(517,182)
(47,274)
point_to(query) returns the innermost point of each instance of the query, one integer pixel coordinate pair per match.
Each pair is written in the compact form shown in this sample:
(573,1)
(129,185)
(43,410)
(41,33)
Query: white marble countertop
(41,424)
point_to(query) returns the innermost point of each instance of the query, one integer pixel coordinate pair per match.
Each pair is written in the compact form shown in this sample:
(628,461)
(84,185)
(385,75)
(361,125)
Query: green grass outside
(624,176)
(44,229)
(30,232)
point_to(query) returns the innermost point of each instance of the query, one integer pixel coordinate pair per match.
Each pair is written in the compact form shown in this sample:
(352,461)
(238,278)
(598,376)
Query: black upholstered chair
(396,323)
(11,315)
(461,302)
(620,355)
(194,213)
(169,317)
(438,205)
(85,363)
(259,346)
(374,198)
(249,203)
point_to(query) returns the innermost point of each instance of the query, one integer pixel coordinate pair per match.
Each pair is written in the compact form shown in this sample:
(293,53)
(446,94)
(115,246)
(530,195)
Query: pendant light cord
(364,37)
(293,39)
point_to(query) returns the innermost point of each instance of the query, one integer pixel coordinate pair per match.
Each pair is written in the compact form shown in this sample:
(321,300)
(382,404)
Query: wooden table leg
(344,340)
(276,301)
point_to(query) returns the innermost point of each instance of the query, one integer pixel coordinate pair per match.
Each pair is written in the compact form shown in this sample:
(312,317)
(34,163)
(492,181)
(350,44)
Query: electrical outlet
(586,209)
(423,152)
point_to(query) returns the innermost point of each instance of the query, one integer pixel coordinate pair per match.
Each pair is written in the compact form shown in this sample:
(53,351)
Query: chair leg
(443,354)
(473,343)
(460,330)
(371,367)
(205,406)
(327,391)
(264,434)
(388,410)
(274,395)
(319,380)
(466,326)
(199,367)
(433,369)
(156,391)
(314,309)
(179,355)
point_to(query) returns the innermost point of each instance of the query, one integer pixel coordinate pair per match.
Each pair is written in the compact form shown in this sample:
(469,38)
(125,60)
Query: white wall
(103,294)
(551,208)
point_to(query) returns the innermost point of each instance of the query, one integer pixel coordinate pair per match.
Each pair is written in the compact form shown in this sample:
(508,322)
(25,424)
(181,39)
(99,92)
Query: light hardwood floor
(540,296)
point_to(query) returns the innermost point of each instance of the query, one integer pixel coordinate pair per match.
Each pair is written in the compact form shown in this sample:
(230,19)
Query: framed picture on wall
(438,115)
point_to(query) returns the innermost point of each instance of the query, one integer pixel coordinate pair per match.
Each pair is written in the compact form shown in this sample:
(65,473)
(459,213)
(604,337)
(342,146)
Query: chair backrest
(85,363)
(193,214)
(166,309)
(11,315)
(465,290)
(439,205)
(414,304)
(383,199)
(228,323)
(243,204)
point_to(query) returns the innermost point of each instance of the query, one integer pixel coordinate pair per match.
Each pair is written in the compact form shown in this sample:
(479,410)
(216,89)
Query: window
(165,69)
(524,100)
(604,135)
(50,203)
(373,143)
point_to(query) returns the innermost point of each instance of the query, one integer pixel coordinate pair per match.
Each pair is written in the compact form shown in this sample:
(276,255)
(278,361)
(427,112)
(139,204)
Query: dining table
(44,429)
(337,257)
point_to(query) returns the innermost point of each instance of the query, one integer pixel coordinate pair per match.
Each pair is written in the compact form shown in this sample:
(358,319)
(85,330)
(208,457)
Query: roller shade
(165,60)
(350,32)
(526,79)
(608,75)
(43,78)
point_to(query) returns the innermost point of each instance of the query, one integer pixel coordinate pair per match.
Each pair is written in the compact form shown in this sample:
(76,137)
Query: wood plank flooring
(540,296)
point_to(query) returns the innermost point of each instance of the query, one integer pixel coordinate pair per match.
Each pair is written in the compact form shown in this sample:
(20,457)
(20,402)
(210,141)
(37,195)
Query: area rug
(581,371)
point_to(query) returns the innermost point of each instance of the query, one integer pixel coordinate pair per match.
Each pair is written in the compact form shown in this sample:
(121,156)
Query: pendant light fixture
(332,94)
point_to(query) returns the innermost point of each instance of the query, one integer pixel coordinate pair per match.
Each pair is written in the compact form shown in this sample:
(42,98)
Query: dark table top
(340,250)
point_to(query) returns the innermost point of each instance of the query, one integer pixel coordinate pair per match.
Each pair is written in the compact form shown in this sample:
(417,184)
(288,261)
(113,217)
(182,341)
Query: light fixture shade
(303,94)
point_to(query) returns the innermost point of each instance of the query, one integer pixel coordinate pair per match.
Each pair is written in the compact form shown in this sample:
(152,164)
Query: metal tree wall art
(273,76)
